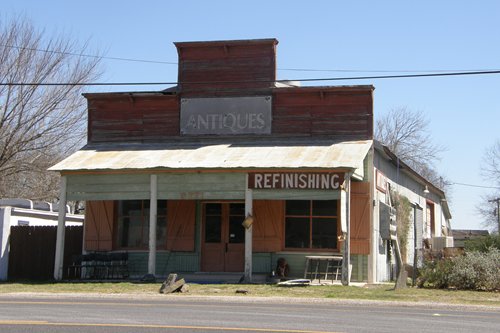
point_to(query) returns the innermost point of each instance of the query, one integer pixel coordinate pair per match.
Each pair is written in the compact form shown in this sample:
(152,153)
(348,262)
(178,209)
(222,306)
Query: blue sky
(338,35)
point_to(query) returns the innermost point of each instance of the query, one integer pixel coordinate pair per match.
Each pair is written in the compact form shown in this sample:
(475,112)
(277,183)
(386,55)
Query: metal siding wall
(420,229)
(411,238)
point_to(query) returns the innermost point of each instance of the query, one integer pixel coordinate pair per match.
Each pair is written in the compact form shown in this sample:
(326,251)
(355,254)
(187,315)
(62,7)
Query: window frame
(144,226)
(311,218)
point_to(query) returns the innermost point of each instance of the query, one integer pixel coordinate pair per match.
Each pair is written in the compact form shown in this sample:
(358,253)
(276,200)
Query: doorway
(223,237)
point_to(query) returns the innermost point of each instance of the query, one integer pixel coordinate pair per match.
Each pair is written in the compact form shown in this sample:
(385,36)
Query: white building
(428,220)
(23,212)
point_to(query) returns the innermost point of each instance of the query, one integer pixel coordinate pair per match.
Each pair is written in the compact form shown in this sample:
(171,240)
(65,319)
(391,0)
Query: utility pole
(497,200)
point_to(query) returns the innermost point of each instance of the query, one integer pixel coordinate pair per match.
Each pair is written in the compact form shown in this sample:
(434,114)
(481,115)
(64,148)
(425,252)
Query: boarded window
(181,218)
(360,218)
(268,225)
(125,225)
(99,225)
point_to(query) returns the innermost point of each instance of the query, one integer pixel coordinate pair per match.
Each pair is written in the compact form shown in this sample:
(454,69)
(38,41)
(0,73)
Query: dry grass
(375,292)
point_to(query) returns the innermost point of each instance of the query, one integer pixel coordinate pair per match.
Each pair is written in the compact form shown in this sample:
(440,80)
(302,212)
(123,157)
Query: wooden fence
(33,248)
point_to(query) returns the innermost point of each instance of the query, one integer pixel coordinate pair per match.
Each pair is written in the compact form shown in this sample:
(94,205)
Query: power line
(91,55)
(401,76)
(384,70)
(250,81)
(474,185)
(280,69)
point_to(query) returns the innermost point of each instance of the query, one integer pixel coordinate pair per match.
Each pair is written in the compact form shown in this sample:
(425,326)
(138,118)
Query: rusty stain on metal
(300,154)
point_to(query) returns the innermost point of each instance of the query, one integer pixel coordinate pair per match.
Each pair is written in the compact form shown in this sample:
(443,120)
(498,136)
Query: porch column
(248,235)
(59,258)
(153,211)
(346,261)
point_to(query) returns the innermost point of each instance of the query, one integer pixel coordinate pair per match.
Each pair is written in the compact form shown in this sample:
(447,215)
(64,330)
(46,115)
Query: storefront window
(311,224)
(133,224)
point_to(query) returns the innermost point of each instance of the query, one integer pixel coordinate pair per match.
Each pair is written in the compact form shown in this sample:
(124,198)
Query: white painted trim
(248,235)
(59,258)
(153,212)
(372,257)
(346,276)
(5,213)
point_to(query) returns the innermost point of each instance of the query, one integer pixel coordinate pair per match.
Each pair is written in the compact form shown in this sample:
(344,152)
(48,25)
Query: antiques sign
(226,115)
(295,180)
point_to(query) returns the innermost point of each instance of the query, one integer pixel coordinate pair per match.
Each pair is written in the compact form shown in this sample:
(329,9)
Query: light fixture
(426,190)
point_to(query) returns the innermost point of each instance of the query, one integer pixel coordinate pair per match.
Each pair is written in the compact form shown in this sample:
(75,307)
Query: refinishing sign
(226,115)
(295,180)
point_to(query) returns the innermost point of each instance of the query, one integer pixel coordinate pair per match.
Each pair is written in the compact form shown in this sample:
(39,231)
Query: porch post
(59,258)
(153,210)
(346,262)
(248,235)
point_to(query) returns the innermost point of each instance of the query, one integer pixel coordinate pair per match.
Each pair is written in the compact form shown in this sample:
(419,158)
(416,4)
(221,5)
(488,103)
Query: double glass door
(223,239)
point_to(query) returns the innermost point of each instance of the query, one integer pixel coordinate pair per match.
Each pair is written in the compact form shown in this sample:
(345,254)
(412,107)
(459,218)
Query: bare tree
(488,208)
(39,124)
(491,166)
(406,133)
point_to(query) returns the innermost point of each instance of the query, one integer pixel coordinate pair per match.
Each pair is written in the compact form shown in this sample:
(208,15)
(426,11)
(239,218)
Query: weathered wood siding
(181,220)
(99,225)
(177,186)
(231,68)
(360,217)
(295,195)
(359,272)
(323,111)
(33,248)
(99,222)
(209,67)
(108,187)
(268,225)
(132,118)
(344,113)
(201,186)
(166,262)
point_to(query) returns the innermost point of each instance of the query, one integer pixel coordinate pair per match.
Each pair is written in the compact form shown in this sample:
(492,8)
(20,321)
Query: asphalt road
(233,314)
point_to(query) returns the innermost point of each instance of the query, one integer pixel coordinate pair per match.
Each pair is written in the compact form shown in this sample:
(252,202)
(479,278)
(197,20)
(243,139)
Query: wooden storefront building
(169,176)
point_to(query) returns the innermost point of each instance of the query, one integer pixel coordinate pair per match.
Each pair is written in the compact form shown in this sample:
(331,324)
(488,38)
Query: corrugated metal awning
(257,154)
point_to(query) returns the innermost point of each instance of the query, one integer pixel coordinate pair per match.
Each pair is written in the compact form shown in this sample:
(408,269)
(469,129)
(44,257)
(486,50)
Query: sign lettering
(226,115)
(295,180)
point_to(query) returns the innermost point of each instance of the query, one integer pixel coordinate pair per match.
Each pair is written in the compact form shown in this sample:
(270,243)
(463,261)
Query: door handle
(226,247)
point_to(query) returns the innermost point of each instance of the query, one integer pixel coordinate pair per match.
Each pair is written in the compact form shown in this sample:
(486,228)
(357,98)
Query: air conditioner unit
(439,243)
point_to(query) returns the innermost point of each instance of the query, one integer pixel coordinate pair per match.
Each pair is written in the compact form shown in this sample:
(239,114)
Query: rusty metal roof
(257,154)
